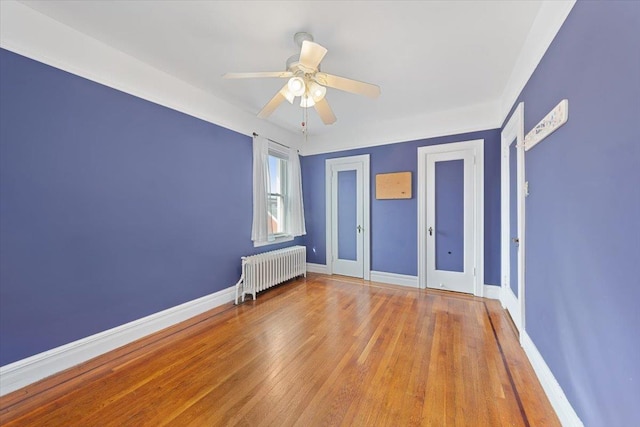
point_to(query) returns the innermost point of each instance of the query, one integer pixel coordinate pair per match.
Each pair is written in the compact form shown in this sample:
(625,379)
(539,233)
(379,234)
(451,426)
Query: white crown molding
(395,279)
(450,122)
(492,115)
(36,36)
(546,25)
(27,371)
(558,399)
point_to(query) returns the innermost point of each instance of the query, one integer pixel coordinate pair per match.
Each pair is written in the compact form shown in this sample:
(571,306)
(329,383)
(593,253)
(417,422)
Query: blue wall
(583,214)
(111,207)
(394,223)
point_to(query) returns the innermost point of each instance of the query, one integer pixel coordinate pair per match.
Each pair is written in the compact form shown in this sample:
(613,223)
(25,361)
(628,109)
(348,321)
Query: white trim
(510,302)
(30,33)
(513,133)
(431,125)
(327,218)
(546,25)
(37,36)
(492,292)
(366,182)
(558,399)
(394,279)
(549,19)
(27,371)
(478,146)
(275,241)
(522,218)
(316,268)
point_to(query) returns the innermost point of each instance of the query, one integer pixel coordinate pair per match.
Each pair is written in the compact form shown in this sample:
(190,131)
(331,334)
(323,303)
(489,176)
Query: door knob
(515,240)
(359,229)
(430,231)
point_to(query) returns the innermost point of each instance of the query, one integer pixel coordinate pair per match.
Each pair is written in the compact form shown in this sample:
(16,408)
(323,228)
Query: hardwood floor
(325,350)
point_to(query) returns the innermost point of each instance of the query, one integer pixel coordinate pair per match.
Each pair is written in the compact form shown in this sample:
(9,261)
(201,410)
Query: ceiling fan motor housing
(294,65)
(292,62)
(300,37)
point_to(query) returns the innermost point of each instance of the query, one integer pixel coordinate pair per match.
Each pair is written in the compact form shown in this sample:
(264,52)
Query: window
(278,194)
(278,211)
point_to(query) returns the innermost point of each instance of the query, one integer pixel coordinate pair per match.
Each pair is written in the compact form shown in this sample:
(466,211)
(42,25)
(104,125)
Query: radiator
(268,269)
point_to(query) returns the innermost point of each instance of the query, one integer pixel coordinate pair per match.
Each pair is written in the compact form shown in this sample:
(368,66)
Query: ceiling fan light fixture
(287,94)
(316,91)
(305,79)
(296,86)
(307,101)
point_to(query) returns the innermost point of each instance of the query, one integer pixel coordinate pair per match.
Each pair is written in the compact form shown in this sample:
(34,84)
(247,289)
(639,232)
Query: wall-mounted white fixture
(552,121)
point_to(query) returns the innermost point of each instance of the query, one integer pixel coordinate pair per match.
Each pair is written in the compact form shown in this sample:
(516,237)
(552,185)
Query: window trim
(275,238)
(280,238)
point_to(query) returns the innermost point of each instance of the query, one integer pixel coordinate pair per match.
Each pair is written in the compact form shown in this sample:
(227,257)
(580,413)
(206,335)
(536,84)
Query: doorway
(347,197)
(451,217)
(512,217)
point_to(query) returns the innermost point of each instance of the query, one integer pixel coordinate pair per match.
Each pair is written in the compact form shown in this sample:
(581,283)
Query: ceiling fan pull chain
(305,125)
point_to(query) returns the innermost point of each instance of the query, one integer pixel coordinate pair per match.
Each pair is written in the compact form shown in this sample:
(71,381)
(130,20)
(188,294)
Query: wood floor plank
(325,350)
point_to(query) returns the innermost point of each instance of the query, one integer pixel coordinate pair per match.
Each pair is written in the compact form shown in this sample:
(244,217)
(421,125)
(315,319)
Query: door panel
(449,198)
(513,219)
(347,215)
(512,231)
(450,220)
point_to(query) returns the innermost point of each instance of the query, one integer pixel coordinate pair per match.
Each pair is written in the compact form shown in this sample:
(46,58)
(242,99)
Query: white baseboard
(394,279)
(492,292)
(511,303)
(27,371)
(375,276)
(316,268)
(558,399)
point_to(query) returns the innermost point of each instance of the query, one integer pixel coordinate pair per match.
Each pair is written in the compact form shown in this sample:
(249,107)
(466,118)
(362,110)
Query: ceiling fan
(307,81)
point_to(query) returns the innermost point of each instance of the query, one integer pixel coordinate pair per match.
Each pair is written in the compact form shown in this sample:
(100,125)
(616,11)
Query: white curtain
(295,224)
(261,226)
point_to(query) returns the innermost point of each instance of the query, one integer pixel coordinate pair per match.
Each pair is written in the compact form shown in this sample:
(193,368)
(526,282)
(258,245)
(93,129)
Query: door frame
(477,145)
(366,196)
(513,131)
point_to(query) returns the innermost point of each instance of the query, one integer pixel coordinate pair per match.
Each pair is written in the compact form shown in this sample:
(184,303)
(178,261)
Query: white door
(348,225)
(451,230)
(512,216)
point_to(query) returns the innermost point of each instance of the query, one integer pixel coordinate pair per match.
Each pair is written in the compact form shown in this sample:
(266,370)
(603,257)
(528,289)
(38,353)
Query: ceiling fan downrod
(301,37)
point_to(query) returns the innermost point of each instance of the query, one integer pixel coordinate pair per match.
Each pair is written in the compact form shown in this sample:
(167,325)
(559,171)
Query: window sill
(278,239)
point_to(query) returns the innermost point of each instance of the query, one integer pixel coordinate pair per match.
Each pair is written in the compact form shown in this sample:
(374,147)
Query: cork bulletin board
(393,185)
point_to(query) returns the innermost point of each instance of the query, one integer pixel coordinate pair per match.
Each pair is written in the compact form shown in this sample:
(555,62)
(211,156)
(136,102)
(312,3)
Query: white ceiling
(427,57)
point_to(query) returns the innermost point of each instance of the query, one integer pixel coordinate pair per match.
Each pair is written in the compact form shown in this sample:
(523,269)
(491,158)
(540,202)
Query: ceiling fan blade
(271,106)
(311,54)
(348,85)
(277,74)
(324,111)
